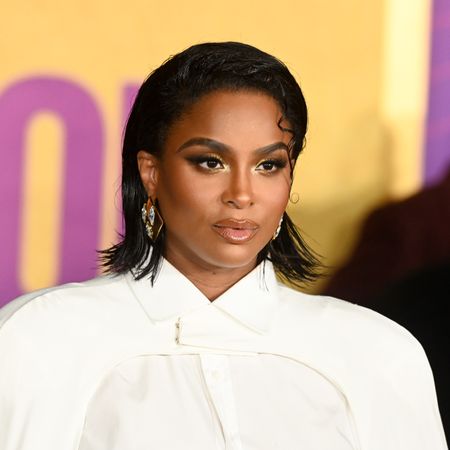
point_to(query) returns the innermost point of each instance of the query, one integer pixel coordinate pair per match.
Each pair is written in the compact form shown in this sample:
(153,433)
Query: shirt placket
(217,376)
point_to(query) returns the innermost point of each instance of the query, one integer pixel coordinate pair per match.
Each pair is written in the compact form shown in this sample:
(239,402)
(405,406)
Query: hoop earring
(277,231)
(294,198)
(152,219)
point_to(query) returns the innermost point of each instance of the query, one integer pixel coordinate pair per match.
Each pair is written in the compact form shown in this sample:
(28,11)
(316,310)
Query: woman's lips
(236,231)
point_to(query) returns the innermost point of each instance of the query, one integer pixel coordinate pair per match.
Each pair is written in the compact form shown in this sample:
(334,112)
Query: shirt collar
(252,301)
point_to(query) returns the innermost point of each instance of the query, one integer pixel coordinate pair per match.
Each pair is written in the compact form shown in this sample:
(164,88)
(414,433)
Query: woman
(190,342)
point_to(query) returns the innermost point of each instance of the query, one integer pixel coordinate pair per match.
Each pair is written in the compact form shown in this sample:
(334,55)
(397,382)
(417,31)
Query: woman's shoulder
(377,364)
(60,300)
(348,327)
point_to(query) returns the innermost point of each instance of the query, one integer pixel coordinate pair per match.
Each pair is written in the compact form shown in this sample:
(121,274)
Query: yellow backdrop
(362,66)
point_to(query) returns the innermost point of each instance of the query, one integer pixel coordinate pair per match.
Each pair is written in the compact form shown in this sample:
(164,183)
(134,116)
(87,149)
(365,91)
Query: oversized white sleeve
(404,413)
(32,403)
(17,401)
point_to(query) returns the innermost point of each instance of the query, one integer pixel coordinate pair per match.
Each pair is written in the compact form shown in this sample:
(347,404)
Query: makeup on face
(224,179)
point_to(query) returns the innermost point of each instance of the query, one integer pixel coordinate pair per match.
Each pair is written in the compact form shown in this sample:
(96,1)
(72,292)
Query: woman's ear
(148,166)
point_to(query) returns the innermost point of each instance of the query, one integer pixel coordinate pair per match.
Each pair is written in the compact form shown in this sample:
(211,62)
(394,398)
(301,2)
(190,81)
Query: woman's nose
(239,190)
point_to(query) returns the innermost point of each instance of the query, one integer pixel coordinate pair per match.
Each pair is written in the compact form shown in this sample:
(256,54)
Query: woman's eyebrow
(223,148)
(204,142)
(272,147)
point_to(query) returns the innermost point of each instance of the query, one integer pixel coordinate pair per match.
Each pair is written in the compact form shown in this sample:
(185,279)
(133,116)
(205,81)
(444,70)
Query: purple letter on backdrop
(437,146)
(129,94)
(82,175)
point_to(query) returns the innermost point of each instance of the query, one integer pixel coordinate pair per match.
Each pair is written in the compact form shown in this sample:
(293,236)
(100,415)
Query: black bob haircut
(168,93)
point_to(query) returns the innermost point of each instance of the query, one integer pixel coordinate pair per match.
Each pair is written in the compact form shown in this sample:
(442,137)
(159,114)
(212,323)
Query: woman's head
(234,96)
(186,77)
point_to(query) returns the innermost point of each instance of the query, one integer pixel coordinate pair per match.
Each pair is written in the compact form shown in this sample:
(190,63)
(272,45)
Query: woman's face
(223,180)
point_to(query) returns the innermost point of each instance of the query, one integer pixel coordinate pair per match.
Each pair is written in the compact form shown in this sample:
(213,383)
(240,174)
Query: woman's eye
(211,163)
(271,165)
(268,166)
(207,162)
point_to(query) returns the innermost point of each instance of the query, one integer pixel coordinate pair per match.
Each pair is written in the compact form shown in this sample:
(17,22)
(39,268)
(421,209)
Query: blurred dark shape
(421,303)
(396,239)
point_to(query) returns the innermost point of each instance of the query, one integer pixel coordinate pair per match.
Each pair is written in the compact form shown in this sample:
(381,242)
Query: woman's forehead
(231,118)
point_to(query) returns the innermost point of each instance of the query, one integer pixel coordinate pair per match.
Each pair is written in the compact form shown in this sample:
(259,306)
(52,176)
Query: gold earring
(277,231)
(294,198)
(152,219)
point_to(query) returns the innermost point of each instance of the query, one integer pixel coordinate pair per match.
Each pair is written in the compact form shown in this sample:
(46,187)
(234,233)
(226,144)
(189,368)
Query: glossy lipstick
(236,231)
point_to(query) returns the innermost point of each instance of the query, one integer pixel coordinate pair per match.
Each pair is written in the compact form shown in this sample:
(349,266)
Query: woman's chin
(232,257)
(215,254)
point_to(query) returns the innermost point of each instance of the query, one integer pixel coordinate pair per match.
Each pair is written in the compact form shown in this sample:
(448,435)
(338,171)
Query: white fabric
(216,401)
(113,364)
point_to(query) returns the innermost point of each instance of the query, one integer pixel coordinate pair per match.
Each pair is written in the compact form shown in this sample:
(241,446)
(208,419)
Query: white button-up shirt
(115,364)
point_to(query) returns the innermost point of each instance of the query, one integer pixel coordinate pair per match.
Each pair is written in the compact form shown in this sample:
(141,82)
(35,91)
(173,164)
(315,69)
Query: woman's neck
(211,280)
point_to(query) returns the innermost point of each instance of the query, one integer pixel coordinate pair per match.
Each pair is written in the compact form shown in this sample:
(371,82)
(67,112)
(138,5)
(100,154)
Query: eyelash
(199,160)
